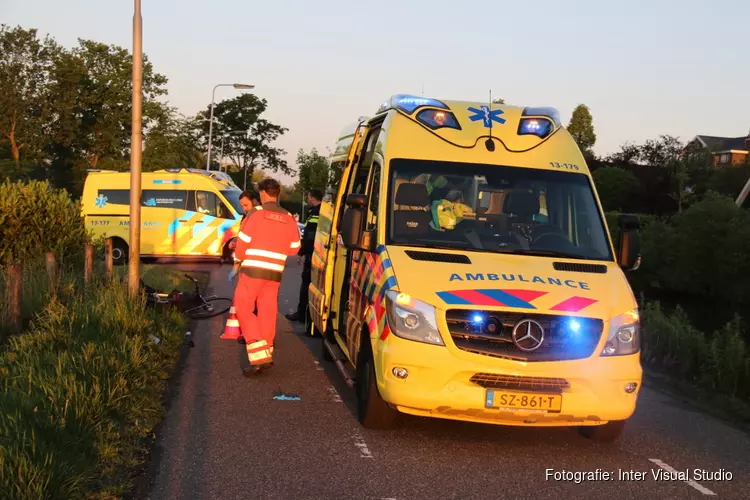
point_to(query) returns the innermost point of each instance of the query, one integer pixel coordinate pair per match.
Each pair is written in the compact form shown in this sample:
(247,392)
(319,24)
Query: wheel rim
(117,254)
(210,308)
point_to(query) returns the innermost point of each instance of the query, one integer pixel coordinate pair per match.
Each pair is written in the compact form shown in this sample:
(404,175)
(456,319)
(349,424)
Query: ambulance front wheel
(119,252)
(372,411)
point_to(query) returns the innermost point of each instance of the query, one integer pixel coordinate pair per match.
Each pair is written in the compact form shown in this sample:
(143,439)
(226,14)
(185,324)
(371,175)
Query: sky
(644,68)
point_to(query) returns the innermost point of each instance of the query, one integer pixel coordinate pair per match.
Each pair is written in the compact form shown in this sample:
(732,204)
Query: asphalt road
(226,437)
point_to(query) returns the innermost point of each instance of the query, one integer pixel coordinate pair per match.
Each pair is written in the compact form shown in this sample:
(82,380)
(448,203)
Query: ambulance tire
(372,411)
(226,254)
(119,252)
(607,433)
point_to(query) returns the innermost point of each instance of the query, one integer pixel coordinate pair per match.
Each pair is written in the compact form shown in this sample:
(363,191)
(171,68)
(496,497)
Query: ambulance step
(339,358)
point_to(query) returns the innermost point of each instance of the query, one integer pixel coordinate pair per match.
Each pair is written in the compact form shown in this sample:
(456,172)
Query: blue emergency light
(540,127)
(545,111)
(410,103)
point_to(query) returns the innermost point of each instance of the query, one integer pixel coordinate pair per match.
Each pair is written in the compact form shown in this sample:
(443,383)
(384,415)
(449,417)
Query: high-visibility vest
(268,236)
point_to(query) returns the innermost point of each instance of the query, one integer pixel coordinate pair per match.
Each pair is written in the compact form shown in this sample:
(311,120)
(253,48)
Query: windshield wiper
(543,253)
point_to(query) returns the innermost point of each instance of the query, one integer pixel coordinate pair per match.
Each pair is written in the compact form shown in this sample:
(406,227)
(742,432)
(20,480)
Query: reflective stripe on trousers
(259,352)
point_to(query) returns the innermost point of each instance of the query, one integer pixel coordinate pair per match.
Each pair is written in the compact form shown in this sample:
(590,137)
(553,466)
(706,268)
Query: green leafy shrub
(671,343)
(615,187)
(702,251)
(79,392)
(34,219)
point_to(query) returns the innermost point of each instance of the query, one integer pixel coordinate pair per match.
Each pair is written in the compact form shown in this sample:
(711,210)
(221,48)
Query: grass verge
(81,390)
(710,372)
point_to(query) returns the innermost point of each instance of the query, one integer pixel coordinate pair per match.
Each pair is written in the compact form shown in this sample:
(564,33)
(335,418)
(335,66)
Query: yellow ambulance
(464,270)
(184,212)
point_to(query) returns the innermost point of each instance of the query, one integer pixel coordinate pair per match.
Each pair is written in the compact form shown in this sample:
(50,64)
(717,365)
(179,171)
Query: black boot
(254,370)
(251,371)
(295,316)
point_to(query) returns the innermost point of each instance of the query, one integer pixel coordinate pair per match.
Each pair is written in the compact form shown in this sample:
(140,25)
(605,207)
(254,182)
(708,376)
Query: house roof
(723,143)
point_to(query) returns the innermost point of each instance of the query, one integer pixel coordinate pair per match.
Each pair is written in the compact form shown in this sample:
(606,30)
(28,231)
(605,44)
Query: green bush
(34,219)
(702,251)
(615,187)
(79,392)
(671,343)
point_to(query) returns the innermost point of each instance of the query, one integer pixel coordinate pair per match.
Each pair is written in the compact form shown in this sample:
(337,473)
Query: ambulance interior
(495,208)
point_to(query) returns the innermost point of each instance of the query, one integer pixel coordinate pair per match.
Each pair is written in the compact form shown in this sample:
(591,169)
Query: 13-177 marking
(567,166)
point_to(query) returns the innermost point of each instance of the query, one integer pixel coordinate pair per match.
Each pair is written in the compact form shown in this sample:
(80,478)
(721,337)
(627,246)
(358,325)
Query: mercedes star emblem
(528,335)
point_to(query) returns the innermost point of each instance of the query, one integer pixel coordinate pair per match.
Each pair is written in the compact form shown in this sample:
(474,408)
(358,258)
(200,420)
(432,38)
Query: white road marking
(335,395)
(692,483)
(364,451)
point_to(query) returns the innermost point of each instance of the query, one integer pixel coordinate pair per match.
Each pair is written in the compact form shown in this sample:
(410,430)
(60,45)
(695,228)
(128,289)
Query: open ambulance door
(328,249)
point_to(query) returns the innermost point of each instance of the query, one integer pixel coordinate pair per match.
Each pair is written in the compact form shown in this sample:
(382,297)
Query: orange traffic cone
(232,329)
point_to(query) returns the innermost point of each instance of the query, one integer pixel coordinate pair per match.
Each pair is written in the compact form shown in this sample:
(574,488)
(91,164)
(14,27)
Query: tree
(313,171)
(581,127)
(498,100)
(172,143)
(254,149)
(629,154)
(105,98)
(615,187)
(25,66)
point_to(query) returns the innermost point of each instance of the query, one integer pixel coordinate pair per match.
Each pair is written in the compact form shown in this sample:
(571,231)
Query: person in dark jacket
(314,197)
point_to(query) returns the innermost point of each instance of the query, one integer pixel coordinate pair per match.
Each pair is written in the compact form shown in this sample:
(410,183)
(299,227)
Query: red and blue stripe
(516,298)
(492,298)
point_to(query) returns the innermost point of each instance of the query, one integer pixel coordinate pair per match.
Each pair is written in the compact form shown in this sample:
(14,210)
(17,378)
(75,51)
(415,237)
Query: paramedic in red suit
(267,237)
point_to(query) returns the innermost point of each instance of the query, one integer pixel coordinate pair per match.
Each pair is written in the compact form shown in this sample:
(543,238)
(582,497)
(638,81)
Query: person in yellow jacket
(448,212)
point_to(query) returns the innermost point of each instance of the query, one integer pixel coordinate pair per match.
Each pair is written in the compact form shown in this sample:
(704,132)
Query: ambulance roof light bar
(409,103)
(544,111)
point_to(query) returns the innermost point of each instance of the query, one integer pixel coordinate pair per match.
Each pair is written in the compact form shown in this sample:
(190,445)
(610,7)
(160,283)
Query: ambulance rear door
(321,290)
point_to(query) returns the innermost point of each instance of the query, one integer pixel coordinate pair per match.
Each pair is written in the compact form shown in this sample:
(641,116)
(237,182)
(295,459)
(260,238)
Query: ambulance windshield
(495,209)
(233,197)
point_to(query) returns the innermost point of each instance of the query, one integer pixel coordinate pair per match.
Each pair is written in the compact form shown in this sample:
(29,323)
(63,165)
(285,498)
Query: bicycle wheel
(213,307)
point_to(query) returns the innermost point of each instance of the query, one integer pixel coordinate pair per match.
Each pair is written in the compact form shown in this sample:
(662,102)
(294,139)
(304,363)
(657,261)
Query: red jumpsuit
(268,236)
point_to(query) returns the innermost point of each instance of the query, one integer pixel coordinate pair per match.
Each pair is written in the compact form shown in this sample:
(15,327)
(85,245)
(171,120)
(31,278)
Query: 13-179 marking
(567,166)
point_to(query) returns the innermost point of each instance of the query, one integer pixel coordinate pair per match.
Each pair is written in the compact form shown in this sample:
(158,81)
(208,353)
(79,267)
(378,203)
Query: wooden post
(51,264)
(108,254)
(14,297)
(88,263)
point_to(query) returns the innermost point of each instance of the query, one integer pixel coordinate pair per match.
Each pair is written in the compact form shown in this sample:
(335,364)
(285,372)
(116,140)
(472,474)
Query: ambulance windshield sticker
(101,201)
(486,115)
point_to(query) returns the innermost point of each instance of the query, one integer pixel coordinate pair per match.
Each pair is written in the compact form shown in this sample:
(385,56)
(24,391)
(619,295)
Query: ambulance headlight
(624,335)
(412,319)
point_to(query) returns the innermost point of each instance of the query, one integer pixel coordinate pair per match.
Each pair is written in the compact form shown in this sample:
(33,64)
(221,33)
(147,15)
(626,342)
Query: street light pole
(134,259)
(221,153)
(211,120)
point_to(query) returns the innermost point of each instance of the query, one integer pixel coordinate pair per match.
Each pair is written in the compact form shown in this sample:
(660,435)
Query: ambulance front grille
(513,382)
(490,333)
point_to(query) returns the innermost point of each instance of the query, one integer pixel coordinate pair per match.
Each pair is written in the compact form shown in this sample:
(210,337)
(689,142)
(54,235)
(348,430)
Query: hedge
(34,219)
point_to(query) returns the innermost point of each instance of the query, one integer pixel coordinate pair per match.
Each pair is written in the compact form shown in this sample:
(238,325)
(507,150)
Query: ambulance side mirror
(629,242)
(353,223)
